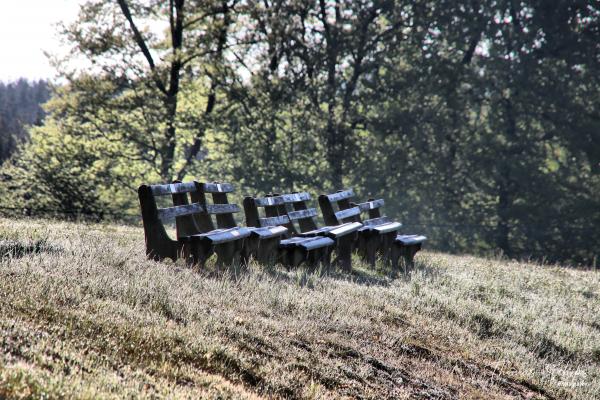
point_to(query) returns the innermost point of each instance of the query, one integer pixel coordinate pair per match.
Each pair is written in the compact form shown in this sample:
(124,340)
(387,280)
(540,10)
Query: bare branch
(141,42)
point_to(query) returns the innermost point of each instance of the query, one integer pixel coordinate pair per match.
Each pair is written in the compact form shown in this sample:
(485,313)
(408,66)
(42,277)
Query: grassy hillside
(83,314)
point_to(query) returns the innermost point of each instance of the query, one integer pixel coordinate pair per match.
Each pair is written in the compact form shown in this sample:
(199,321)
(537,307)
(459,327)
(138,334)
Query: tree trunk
(506,184)
(503,212)
(168,152)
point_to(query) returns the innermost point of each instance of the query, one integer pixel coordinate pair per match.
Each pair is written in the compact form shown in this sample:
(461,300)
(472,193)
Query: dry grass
(83,314)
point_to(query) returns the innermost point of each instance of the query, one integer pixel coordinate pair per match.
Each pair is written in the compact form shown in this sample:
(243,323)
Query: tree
(326,53)
(20,106)
(143,55)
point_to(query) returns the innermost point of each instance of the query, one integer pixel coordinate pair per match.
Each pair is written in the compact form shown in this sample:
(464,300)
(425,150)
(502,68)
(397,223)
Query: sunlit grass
(84,314)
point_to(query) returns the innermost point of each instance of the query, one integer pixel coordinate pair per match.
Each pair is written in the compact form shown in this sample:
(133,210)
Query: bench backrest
(191,210)
(262,212)
(158,243)
(295,205)
(286,210)
(337,207)
(212,197)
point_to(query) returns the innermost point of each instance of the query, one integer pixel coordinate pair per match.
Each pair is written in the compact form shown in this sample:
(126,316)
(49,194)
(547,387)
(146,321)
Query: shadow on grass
(380,275)
(18,249)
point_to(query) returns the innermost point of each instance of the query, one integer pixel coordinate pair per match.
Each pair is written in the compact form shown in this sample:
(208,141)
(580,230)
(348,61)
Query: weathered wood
(269,201)
(268,232)
(327,210)
(385,228)
(172,188)
(376,221)
(344,229)
(370,205)
(308,213)
(222,208)
(186,224)
(347,213)
(293,251)
(158,244)
(224,219)
(194,242)
(379,234)
(169,213)
(202,220)
(215,187)
(341,195)
(224,235)
(274,221)
(408,240)
(304,215)
(295,197)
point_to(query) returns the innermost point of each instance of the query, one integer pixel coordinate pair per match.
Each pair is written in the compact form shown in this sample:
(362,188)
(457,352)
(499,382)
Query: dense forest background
(478,122)
(20,107)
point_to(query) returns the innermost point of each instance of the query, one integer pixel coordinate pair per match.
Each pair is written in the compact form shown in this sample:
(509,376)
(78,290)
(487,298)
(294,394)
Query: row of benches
(279,228)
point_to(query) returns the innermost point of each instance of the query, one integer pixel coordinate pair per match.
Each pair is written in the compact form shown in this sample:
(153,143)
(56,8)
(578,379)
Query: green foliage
(20,106)
(477,123)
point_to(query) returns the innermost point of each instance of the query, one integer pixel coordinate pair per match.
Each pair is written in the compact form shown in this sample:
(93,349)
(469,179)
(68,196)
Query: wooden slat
(349,212)
(217,187)
(225,235)
(295,197)
(308,243)
(316,242)
(274,221)
(345,229)
(371,205)
(389,227)
(222,208)
(410,239)
(162,190)
(299,214)
(269,232)
(269,201)
(179,211)
(341,195)
(376,221)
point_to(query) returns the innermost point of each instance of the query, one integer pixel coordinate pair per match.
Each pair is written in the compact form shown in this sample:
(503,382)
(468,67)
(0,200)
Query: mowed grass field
(83,314)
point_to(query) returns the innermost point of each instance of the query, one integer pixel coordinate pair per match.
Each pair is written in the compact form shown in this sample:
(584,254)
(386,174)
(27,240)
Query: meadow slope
(83,314)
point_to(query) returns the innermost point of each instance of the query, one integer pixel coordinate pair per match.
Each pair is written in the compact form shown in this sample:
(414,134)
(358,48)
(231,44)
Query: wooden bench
(294,250)
(263,242)
(344,234)
(197,239)
(378,235)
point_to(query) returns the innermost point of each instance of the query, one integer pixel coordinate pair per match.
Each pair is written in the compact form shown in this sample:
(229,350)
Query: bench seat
(307,243)
(335,231)
(268,216)
(379,235)
(196,236)
(219,236)
(268,232)
(385,227)
(409,240)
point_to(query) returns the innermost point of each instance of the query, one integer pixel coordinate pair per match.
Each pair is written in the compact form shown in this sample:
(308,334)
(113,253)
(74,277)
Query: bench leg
(361,246)
(371,245)
(250,250)
(294,257)
(313,258)
(228,254)
(411,252)
(238,248)
(196,253)
(326,257)
(395,255)
(344,253)
(407,253)
(386,247)
(267,251)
